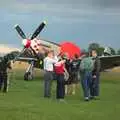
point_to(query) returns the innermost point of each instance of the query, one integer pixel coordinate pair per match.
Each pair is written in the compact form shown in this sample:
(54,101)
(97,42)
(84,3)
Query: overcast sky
(79,21)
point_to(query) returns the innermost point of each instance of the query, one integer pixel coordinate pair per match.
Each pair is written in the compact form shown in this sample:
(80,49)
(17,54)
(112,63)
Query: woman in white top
(49,61)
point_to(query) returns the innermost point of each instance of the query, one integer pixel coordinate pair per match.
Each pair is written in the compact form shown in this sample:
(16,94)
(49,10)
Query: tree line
(100,49)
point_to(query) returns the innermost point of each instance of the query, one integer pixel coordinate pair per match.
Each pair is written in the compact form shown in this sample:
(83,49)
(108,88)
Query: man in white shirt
(49,61)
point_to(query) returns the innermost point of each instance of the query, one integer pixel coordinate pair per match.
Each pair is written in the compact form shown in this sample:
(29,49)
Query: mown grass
(25,101)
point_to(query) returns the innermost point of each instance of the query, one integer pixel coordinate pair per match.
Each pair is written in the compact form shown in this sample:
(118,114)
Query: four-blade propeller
(26,41)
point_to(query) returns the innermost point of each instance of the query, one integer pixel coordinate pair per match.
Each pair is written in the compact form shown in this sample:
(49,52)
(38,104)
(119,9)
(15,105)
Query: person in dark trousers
(68,74)
(4,65)
(95,76)
(86,67)
(59,69)
(49,61)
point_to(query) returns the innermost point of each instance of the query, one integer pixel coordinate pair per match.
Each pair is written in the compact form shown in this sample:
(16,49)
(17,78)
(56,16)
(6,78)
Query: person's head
(64,57)
(94,53)
(76,56)
(50,54)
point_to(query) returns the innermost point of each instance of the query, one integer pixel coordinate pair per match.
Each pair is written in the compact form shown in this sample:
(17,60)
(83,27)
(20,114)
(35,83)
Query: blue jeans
(95,86)
(85,82)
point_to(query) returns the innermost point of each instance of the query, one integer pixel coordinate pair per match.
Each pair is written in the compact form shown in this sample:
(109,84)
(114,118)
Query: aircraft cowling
(70,49)
(26,43)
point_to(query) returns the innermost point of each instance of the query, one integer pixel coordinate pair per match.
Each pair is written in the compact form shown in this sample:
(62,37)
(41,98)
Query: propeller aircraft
(35,49)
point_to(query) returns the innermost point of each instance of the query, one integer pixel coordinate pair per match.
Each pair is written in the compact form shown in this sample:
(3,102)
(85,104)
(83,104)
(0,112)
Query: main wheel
(28,76)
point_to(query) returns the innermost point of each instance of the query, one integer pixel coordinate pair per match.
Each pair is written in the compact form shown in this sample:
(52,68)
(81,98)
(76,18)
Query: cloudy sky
(80,21)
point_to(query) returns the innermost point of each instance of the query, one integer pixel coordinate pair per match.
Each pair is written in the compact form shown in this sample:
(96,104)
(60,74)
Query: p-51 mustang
(35,49)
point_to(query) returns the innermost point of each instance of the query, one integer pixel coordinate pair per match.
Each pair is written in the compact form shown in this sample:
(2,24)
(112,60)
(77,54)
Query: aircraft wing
(108,62)
(25,59)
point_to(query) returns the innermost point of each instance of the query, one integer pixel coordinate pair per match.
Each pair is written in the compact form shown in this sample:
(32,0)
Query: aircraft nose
(26,43)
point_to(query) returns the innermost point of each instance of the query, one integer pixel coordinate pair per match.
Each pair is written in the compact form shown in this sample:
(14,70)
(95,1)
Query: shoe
(86,99)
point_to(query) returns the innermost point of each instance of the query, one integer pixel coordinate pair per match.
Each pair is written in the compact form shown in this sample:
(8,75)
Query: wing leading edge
(108,62)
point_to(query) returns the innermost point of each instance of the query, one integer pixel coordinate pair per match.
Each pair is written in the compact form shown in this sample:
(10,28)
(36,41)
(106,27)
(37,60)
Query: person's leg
(78,80)
(66,89)
(5,83)
(96,86)
(1,82)
(92,86)
(60,87)
(73,88)
(85,85)
(66,78)
(47,83)
(74,82)
(69,84)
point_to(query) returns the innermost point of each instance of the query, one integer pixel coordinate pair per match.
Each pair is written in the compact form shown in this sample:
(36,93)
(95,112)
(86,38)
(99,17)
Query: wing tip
(45,22)
(16,25)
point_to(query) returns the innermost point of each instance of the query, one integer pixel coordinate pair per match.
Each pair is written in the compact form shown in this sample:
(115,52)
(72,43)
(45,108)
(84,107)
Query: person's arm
(53,60)
(66,74)
(97,67)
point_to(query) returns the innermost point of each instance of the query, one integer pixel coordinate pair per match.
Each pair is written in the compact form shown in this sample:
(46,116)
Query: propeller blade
(20,31)
(38,30)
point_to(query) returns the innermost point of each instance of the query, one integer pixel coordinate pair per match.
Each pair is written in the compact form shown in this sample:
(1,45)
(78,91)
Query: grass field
(25,101)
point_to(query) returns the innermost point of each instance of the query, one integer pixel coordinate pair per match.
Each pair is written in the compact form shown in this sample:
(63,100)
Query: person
(59,69)
(4,66)
(95,76)
(86,67)
(75,64)
(67,74)
(49,61)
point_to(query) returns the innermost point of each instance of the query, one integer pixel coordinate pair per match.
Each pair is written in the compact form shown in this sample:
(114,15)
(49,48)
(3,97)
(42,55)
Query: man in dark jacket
(95,76)
(4,65)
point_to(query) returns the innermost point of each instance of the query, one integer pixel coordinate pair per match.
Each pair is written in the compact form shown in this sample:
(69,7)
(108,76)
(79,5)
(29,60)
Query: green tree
(118,52)
(100,51)
(113,52)
(94,46)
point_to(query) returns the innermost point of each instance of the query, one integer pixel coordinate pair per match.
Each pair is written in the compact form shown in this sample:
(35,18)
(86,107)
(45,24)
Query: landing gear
(29,72)
(28,76)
